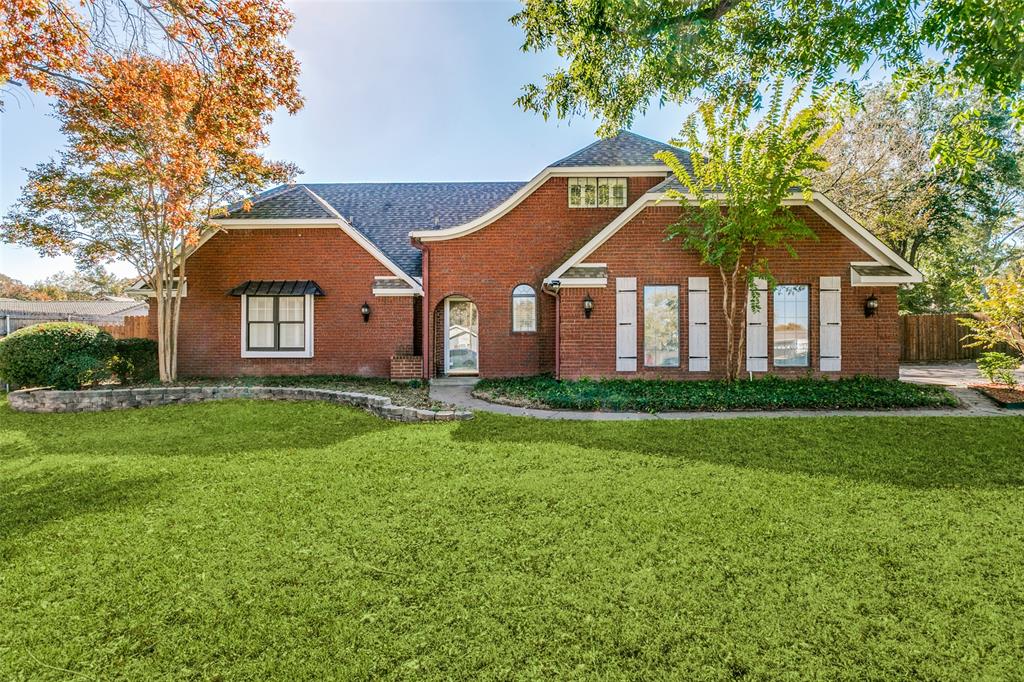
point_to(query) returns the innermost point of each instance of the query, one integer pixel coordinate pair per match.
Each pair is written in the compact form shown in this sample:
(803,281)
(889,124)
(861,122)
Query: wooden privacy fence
(936,338)
(130,328)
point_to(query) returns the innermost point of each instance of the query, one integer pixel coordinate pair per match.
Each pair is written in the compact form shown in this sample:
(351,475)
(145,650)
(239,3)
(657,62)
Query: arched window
(524,309)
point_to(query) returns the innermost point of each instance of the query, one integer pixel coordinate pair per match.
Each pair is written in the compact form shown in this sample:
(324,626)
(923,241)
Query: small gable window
(597,192)
(524,309)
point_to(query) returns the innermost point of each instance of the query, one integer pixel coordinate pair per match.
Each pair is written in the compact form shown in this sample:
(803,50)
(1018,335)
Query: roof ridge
(578,151)
(323,204)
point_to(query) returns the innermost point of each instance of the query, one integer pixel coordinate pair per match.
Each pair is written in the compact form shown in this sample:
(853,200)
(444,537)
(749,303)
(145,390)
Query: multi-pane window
(276,323)
(790,345)
(661,326)
(524,309)
(597,192)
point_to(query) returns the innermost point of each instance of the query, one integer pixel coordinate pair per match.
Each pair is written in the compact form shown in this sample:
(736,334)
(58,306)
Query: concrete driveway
(947,374)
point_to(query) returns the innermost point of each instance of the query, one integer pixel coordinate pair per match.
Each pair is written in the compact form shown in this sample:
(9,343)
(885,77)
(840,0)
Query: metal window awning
(289,287)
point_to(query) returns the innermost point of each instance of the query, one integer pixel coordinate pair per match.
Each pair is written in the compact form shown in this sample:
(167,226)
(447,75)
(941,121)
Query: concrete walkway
(972,404)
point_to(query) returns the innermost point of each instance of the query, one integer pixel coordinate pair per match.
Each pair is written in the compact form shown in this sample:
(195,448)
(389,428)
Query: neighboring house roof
(384,212)
(624,149)
(10,306)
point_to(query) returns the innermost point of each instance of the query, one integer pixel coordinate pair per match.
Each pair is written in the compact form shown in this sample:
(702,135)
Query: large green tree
(623,55)
(958,226)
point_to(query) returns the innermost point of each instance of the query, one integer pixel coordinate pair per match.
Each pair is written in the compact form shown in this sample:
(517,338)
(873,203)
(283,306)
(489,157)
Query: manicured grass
(769,393)
(250,540)
(415,394)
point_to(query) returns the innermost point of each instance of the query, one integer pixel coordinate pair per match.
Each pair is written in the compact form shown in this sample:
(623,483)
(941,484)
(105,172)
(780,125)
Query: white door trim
(447,357)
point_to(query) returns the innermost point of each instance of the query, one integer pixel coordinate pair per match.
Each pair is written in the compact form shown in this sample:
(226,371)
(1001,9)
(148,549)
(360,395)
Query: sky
(395,91)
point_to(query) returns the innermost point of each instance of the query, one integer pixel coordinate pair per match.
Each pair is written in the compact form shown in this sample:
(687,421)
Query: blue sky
(395,91)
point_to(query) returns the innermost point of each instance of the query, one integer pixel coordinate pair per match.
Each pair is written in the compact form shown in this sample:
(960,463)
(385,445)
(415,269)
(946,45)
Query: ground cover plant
(311,541)
(769,393)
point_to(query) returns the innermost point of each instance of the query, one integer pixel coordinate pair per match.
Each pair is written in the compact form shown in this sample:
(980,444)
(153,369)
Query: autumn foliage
(163,104)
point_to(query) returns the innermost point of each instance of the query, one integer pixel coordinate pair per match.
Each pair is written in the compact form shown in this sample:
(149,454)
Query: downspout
(427,321)
(552,290)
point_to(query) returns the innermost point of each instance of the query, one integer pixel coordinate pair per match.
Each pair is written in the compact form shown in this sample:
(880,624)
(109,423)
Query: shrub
(999,368)
(65,355)
(768,393)
(134,360)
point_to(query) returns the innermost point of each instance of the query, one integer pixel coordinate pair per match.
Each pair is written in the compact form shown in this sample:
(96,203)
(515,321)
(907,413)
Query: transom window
(597,192)
(524,309)
(661,326)
(790,329)
(275,323)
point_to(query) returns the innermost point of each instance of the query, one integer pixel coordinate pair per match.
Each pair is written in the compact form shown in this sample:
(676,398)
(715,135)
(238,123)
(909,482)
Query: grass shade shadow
(943,451)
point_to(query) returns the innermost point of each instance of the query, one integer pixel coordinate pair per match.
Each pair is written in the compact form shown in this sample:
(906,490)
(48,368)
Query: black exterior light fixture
(870,306)
(588,306)
(365,310)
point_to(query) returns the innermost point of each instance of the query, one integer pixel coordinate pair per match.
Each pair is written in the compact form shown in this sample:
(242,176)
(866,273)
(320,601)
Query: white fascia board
(819,203)
(527,189)
(395,292)
(859,280)
(581,283)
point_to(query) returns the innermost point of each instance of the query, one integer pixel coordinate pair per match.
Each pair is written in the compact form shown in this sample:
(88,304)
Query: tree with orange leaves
(161,132)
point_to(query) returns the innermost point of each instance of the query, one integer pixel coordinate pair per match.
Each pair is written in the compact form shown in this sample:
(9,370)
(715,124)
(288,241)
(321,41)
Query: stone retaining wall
(48,400)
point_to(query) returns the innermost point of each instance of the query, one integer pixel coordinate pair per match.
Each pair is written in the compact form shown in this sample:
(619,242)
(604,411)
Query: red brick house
(568,273)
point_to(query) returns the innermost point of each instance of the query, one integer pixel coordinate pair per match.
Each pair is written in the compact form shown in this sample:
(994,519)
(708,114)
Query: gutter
(426,322)
(552,288)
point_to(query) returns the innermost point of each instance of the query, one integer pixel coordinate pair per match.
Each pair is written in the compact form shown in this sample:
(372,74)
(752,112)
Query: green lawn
(252,540)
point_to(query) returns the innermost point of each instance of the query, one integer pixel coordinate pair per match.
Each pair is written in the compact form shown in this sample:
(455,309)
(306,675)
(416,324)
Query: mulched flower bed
(1010,397)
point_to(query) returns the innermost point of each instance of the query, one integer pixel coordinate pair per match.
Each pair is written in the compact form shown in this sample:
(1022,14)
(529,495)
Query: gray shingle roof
(282,202)
(386,212)
(625,149)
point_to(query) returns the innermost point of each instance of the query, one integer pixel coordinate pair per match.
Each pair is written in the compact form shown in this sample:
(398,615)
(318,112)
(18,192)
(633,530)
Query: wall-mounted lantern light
(588,306)
(365,310)
(870,306)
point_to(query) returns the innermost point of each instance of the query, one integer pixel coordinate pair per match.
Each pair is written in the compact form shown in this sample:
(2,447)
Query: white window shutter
(757,328)
(699,333)
(625,324)
(830,320)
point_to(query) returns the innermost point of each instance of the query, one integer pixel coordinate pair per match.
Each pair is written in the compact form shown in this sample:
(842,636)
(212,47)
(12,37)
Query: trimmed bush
(65,355)
(999,368)
(769,393)
(134,360)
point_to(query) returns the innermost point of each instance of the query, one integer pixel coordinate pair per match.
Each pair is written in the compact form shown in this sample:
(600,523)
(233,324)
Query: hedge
(769,393)
(65,355)
(135,360)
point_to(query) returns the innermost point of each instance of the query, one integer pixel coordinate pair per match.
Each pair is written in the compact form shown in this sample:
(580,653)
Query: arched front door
(461,337)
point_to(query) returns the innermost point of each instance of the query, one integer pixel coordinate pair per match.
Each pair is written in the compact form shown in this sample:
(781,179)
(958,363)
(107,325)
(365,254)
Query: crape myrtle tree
(162,105)
(741,173)
(620,56)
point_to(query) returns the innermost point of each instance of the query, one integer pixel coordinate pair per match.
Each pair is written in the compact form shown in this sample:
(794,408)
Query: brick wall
(869,345)
(406,367)
(209,337)
(522,247)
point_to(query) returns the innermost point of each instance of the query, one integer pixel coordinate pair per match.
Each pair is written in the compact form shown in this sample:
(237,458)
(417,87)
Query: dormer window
(597,192)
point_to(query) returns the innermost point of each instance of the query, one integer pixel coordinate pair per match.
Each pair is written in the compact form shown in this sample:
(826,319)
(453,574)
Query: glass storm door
(461,348)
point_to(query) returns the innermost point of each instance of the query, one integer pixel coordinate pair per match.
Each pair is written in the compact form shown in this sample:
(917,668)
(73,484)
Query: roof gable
(624,149)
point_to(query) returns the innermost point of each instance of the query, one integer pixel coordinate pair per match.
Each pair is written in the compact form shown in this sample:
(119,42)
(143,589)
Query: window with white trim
(790,342)
(277,326)
(661,326)
(524,309)
(597,192)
